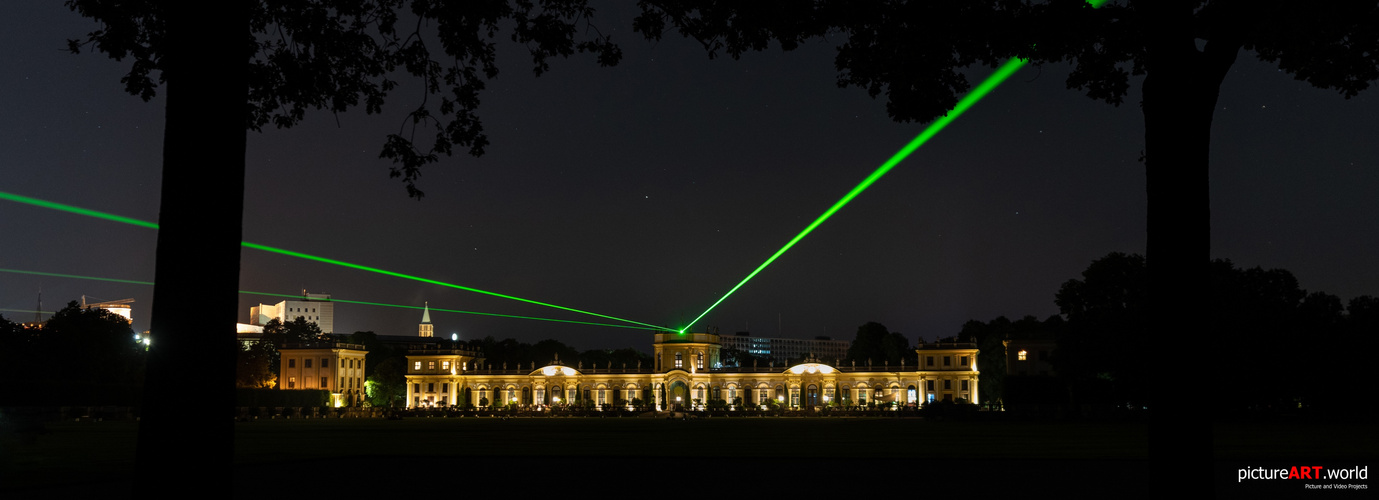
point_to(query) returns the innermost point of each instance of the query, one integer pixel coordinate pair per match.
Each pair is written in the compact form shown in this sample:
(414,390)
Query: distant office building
(315,307)
(781,350)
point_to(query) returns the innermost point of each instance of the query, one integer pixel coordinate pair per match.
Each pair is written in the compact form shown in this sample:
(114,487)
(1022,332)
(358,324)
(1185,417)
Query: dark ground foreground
(617,457)
(296,458)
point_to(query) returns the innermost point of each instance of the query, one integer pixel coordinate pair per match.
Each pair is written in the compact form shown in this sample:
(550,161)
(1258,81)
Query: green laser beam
(382,304)
(300,255)
(27,311)
(991,82)
(74,276)
(437,309)
(967,101)
(76,210)
(290,253)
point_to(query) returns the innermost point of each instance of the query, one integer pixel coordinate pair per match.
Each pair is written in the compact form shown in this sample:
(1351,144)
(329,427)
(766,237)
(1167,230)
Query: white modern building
(315,307)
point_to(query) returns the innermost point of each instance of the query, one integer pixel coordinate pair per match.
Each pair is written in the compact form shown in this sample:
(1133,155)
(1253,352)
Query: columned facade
(680,378)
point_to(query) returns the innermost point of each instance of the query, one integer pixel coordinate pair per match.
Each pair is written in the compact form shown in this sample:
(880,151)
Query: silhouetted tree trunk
(186,434)
(1180,94)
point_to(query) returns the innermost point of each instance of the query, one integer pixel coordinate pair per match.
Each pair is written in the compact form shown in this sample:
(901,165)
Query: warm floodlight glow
(569,372)
(811,368)
(548,371)
(991,82)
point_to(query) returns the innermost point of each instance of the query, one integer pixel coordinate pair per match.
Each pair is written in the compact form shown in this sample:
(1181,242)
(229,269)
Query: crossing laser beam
(458,311)
(344,301)
(991,82)
(300,255)
(141,223)
(967,101)
(76,210)
(74,276)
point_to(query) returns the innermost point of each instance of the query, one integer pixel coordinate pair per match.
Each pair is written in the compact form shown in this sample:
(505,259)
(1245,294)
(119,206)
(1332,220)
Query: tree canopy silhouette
(913,53)
(230,67)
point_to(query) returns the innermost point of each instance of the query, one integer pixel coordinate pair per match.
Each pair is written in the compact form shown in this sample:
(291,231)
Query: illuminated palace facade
(683,374)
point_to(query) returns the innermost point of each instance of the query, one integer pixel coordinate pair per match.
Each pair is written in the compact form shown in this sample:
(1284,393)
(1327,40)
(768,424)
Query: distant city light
(345,301)
(128,220)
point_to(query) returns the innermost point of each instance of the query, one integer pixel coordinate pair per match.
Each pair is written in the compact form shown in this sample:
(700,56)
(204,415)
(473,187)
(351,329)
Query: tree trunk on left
(183,436)
(1180,94)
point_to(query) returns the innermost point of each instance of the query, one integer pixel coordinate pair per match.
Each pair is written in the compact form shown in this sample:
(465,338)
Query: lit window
(445,365)
(292,382)
(701,361)
(679,360)
(430,365)
(1022,354)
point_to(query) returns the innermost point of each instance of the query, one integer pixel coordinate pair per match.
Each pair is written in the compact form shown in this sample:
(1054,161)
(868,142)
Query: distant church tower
(426,329)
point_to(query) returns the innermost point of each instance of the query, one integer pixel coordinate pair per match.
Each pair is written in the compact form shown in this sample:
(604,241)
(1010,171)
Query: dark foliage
(878,346)
(80,357)
(343,54)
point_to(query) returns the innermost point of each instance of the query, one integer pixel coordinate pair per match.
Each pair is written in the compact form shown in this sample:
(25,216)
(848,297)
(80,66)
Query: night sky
(647,190)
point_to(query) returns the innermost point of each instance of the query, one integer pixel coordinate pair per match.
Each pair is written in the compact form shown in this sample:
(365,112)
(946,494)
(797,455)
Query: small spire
(426,313)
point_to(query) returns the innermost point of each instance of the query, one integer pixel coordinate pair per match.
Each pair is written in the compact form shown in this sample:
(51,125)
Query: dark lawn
(1295,440)
(266,441)
(304,457)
